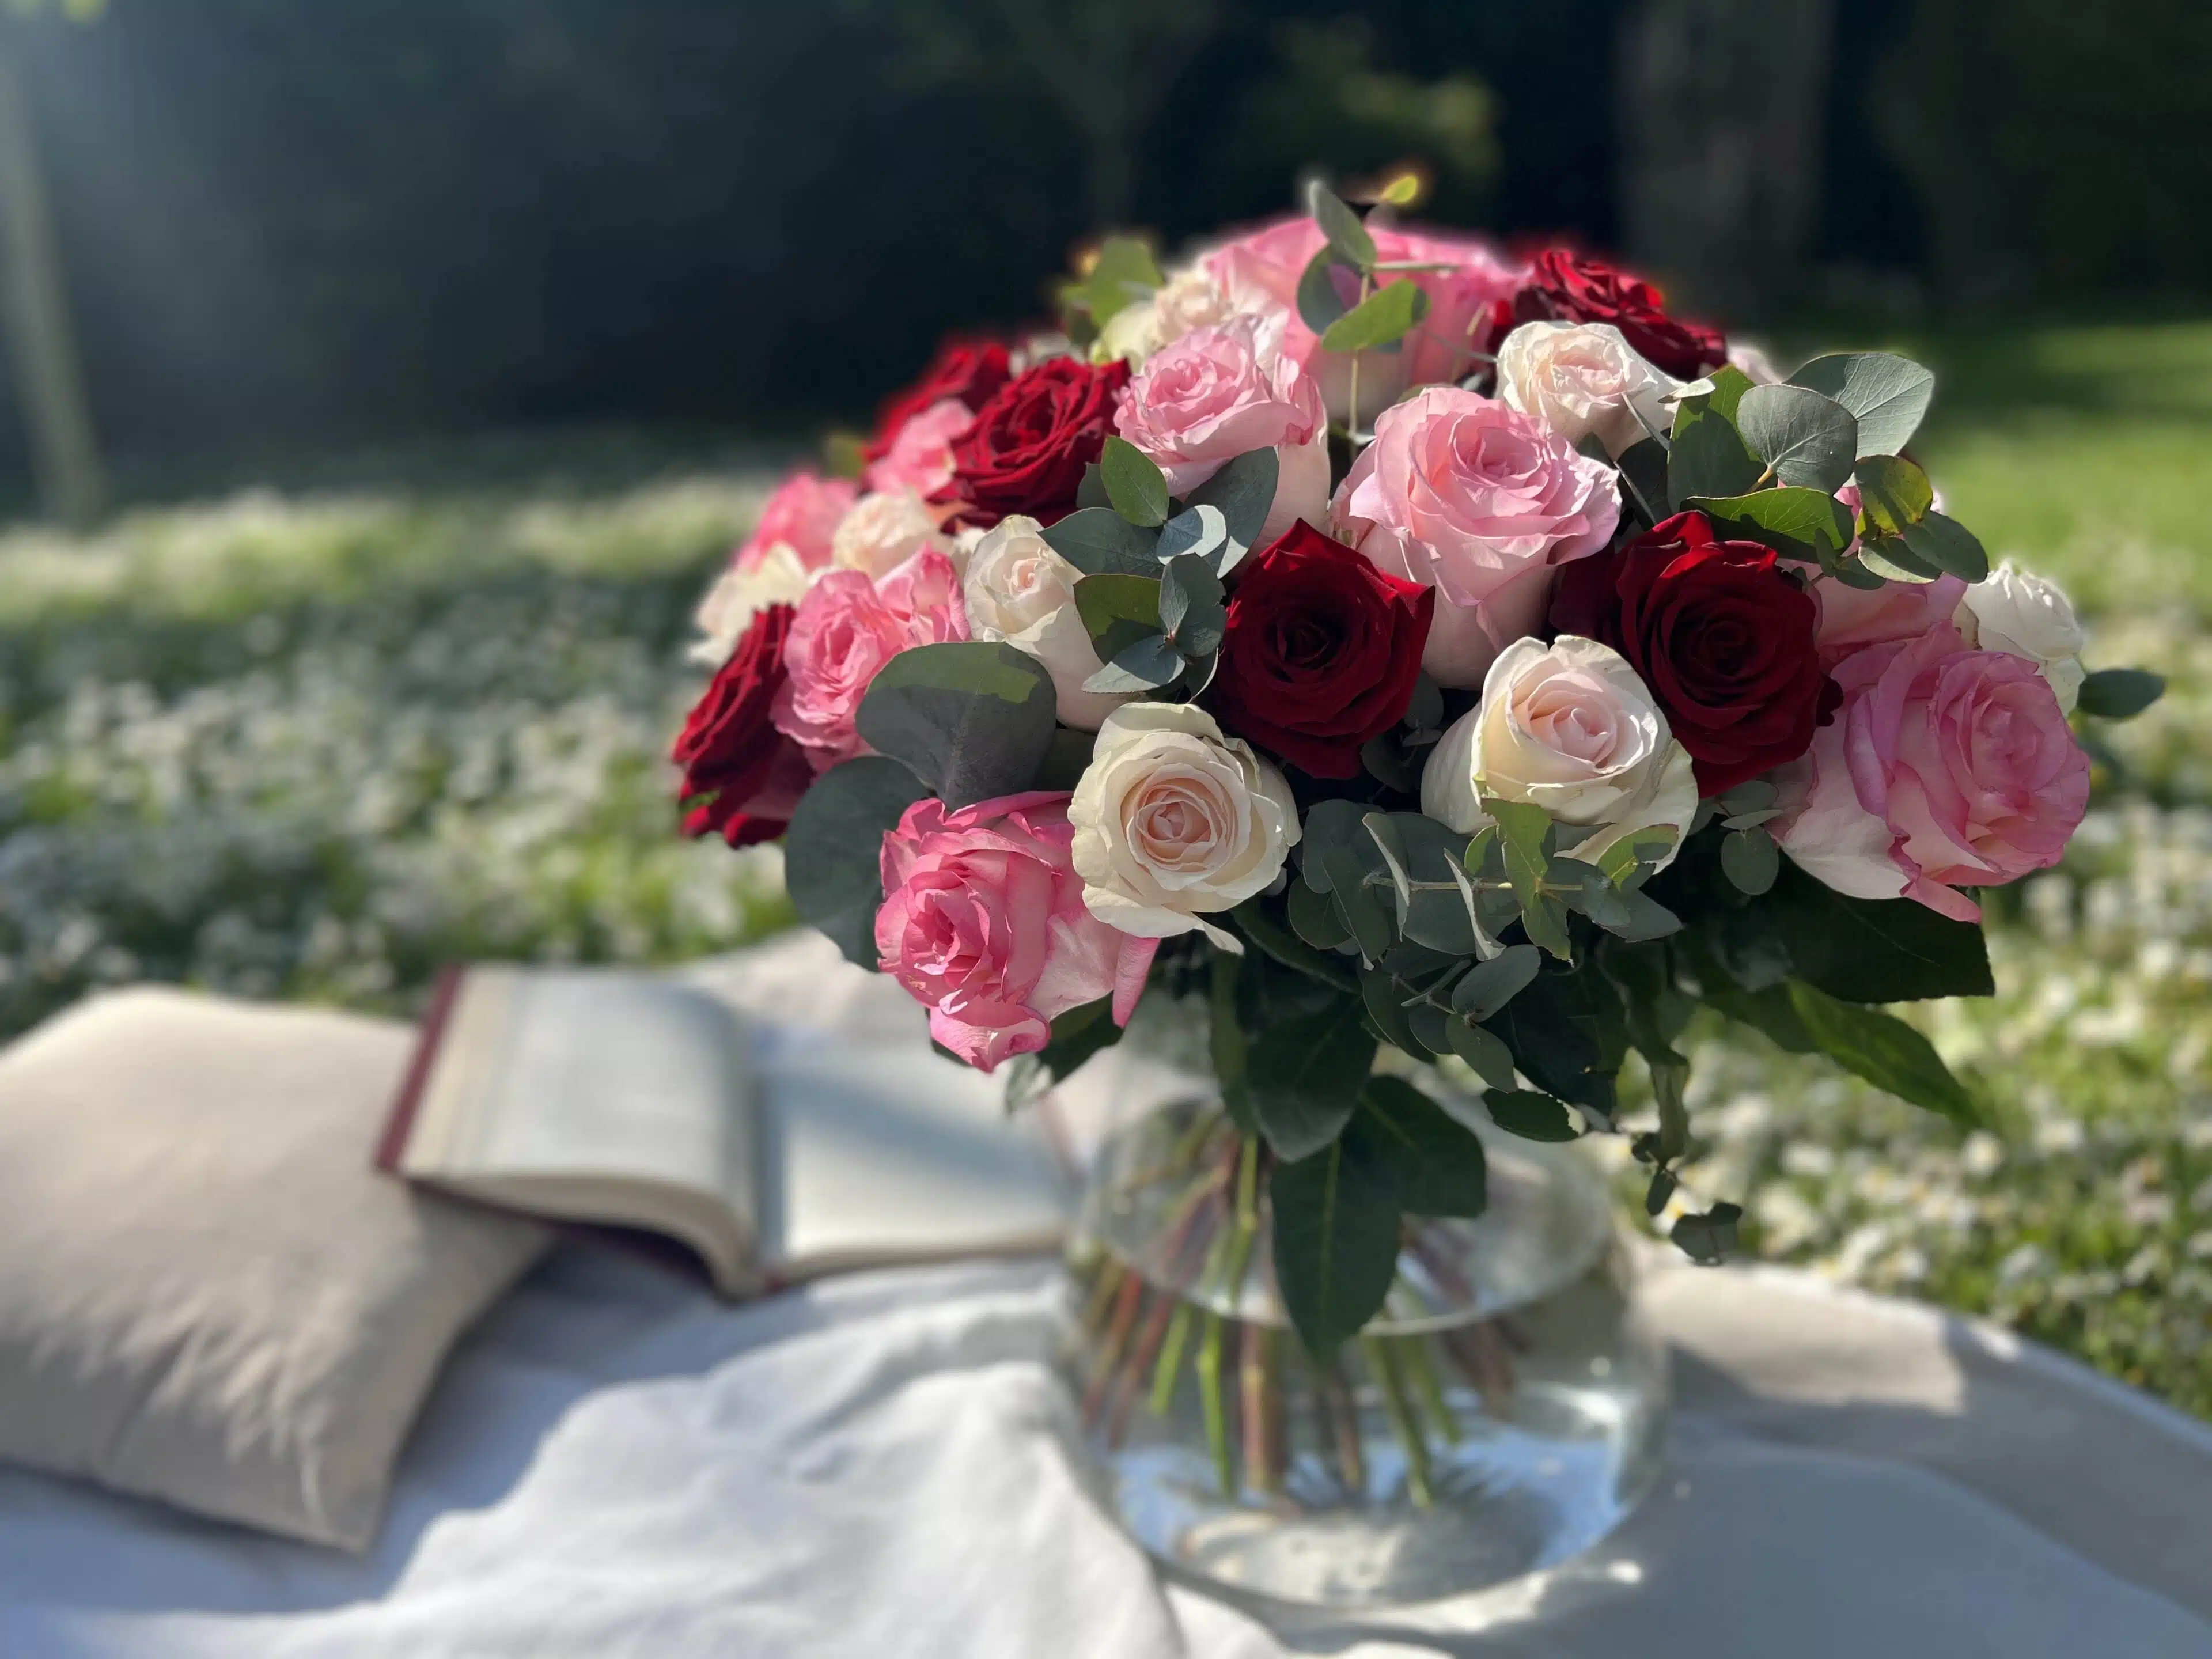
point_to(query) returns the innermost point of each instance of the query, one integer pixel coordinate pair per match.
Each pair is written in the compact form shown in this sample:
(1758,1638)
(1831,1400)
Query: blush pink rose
(847,628)
(1261,271)
(919,456)
(1852,618)
(983,923)
(1221,391)
(1945,767)
(1481,502)
(803,514)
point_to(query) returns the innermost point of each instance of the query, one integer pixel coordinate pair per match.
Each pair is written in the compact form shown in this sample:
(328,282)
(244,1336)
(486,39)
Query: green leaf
(1437,1160)
(1887,395)
(1200,531)
(1567,1032)
(973,719)
(1066,759)
(832,854)
(2119,694)
(1125,273)
(1948,545)
(1708,1239)
(1306,1075)
(1279,944)
(1387,1010)
(1892,494)
(1314,918)
(1244,490)
(1871,950)
(1319,301)
(1099,542)
(1706,455)
(1531,1115)
(1587,890)
(1889,558)
(1885,1051)
(1336,855)
(1076,1035)
(1335,1236)
(1805,439)
(1797,522)
(1630,861)
(1383,318)
(1489,986)
(1483,1051)
(1338,223)
(1134,483)
(1190,606)
(1147,665)
(1750,858)
(1117,611)
(1092,492)
(1642,467)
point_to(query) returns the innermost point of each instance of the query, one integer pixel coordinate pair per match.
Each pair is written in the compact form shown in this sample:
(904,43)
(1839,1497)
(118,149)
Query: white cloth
(882,1467)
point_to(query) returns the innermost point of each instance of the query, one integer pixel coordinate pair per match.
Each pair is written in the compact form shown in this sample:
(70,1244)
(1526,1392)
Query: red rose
(1721,635)
(742,777)
(966,371)
(1032,439)
(1321,653)
(1565,287)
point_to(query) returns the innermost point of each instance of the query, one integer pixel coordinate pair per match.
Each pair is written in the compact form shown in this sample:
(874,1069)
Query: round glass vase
(1504,1412)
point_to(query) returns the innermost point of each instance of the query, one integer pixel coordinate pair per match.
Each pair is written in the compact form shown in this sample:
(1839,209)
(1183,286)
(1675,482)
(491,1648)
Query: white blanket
(883,1467)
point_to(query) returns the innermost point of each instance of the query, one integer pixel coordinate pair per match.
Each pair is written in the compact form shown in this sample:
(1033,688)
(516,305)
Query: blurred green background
(389,376)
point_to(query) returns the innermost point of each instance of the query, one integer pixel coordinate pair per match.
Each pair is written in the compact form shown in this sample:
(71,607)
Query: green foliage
(1380,321)
(1118,610)
(1532,1116)
(1887,395)
(1336,1228)
(832,866)
(1100,542)
(1437,1161)
(1805,439)
(1885,1051)
(1305,1076)
(1134,484)
(2119,694)
(973,719)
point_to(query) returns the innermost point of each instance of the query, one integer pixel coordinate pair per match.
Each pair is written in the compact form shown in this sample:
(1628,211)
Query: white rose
(1580,378)
(780,578)
(2024,616)
(1018,590)
(1174,821)
(1189,298)
(1571,728)
(883,531)
(1752,363)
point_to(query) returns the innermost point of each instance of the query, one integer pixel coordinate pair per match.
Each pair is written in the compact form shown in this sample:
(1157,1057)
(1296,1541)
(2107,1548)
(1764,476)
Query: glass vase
(1504,1413)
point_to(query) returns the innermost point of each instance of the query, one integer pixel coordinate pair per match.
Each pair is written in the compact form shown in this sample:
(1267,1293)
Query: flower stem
(1384,1364)
(1213,1403)
(1421,1370)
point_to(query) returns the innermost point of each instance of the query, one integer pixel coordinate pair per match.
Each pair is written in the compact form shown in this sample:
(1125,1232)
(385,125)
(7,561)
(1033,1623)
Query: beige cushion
(206,1294)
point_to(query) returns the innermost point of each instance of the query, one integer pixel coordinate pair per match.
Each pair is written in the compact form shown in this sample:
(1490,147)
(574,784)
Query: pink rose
(1221,391)
(1945,767)
(983,923)
(847,628)
(1483,503)
(803,514)
(919,456)
(1852,618)
(1261,271)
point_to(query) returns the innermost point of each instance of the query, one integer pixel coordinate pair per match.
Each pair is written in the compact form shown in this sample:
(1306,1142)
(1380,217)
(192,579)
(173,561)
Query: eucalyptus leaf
(2119,694)
(1488,986)
(1887,395)
(1099,541)
(1797,523)
(1200,531)
(1313,917)
(1147,665)
(1320,300)
(1341,226)
(1244,489)
(1134,483)
(1383,318)
(1531,1115)
(973,719)
(833,853)
(1190,606)
(1892,494)
(1123,273)
(1890,559)
(1118,610)
(1485,1055)
(1805,439)
(1708,1239)
(1948,545)
(1750,858)
(1706,455)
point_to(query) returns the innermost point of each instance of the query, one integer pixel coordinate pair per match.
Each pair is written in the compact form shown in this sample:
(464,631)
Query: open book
(774,1153)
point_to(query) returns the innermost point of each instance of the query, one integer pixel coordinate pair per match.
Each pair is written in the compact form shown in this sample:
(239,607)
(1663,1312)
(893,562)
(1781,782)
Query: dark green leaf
(1707,1239)
(1438,1161)
(1341,226)
(1386,1009)
(1750,859)
(1201,531)
(1889,558)
(1280,944)
(1532,1116)
(1383,318)
(1948,545)
(1244,490)
(1885,1051)
(1314,918)
(1589,891)
(1871,950)
(1887,395)
(1134,483)
(1335,1235)
(1319,301)
(1706,455)
(973,719)
(1488,1057)
(1489,986)
(1190,606)
(2119,694)
(1566,1032)
(1798,524)
(1148,665)
(1099,541)
(1066,759)
(1644,470)
(1076,1035)
(1336,855)
(1660,1190)
(1892,494)
(833,855)
(1118,610)
(1306,1075)
(1092,492)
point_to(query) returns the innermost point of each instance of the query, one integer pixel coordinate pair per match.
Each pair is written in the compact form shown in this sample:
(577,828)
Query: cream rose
(1584,377)
(1571,728)
(1188,299)
(1175,822)
(883,531)
(778,576)
(1019,591)
(2024,615)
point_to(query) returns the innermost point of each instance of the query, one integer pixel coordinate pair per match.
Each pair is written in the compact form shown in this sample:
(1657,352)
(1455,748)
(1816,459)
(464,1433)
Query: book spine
(401,1123)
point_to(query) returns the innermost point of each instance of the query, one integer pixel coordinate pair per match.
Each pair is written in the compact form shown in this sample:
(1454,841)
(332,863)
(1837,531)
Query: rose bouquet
(1391,645)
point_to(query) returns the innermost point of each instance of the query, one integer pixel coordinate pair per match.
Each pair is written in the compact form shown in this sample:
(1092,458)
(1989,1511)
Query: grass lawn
(310,743)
